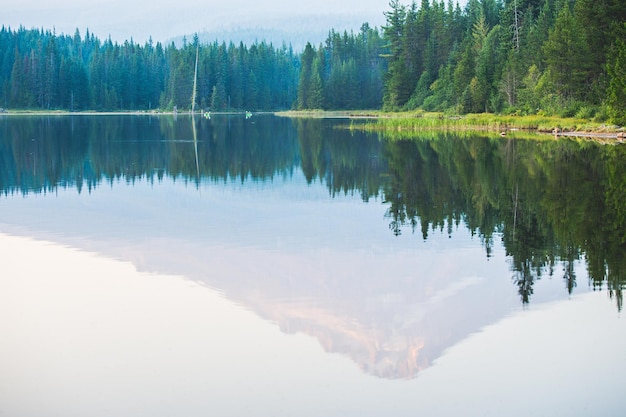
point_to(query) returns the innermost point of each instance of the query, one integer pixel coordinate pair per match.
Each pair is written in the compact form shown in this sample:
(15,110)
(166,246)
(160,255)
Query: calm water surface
(156,266)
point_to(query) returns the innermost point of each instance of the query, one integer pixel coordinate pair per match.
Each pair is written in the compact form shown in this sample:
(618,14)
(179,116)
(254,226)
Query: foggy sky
(164,19)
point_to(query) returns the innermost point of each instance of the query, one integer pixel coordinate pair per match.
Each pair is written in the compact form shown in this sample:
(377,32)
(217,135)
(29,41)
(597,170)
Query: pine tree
(566,55)
(616,91)
(397,83)
(306,74)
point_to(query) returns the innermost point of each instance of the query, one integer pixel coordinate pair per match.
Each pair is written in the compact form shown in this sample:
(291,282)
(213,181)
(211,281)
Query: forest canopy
(563,57)
(558,57)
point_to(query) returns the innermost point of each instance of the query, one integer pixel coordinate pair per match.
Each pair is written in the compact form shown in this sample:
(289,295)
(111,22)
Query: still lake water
(152,266)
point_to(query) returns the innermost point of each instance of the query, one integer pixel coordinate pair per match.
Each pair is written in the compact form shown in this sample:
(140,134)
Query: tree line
(561,57)
(344,73)
(42,70)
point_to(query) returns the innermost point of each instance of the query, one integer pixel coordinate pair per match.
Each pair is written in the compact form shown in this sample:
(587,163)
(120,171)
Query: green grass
(422,121)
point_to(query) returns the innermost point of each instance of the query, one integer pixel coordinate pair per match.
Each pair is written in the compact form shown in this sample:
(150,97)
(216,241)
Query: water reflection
(391,312)
(552,202)
(390,299)
(117,342)
(42,153)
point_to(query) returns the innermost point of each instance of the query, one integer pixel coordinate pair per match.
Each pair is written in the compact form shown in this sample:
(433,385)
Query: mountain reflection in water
(393,304)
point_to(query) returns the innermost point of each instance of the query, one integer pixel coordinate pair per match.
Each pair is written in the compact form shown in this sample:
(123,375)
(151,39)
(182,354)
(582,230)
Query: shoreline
(121,113)
(402,121)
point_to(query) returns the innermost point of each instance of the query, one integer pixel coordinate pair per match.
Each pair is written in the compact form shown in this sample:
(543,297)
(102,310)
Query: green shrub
(586,112)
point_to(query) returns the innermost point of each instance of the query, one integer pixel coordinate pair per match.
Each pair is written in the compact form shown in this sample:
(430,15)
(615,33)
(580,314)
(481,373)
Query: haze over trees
(563,57)
(40,70)
(344,73)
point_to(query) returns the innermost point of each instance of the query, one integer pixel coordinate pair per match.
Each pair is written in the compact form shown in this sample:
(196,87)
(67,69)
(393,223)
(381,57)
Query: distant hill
(295,31)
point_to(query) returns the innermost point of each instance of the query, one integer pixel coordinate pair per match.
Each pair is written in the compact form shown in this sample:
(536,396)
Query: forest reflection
(552,203)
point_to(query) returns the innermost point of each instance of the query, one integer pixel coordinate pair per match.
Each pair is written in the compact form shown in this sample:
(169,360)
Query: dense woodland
(42,70)
(564,57)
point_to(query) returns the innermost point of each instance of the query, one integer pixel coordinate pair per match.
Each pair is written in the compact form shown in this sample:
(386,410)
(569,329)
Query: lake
(155,265)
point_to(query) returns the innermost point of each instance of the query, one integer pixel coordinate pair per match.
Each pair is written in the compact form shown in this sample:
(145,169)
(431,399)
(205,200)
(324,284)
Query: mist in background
(165,21)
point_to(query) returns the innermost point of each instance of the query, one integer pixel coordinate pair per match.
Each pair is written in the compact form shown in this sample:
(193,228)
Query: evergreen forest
(557,57)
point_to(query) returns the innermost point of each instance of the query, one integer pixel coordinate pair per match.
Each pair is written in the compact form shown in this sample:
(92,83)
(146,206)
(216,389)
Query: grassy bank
(422,121)
(406,124)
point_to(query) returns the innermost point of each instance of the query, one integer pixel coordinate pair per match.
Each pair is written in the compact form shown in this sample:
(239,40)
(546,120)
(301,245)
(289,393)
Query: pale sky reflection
(327,268)
(86,335)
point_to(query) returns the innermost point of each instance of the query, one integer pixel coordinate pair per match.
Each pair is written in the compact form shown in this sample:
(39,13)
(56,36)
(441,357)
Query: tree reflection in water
(552,203)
